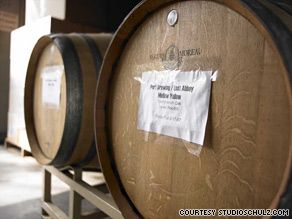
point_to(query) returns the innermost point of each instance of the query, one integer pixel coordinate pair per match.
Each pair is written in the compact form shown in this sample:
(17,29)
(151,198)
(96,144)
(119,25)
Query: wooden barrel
(59,98)
(245,160)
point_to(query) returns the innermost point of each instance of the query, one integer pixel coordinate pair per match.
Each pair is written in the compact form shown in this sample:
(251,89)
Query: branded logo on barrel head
(172,59)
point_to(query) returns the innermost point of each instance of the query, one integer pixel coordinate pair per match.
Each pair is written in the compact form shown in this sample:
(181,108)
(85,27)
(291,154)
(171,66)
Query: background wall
(11,17)
(4,82)
(105,15)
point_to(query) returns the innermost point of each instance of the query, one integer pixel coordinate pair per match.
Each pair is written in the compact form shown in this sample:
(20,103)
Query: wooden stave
(286,17)
(28,99)
(64,43)
(255,12)
(88,66)
(72,126)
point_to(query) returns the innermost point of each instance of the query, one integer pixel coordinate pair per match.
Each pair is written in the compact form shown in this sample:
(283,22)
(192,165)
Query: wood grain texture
(46,126)
(29,99)
(49,122)
(246,158)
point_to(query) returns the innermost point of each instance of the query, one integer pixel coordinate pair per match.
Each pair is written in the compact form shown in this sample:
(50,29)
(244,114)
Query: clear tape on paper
(174,105)
(51,86)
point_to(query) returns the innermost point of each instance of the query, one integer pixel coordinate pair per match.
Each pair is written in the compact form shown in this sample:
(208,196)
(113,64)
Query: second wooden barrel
(59,98)
(245,160)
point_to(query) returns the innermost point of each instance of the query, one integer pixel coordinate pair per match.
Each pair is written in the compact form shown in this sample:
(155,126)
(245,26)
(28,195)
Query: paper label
(175,103)
(51,89)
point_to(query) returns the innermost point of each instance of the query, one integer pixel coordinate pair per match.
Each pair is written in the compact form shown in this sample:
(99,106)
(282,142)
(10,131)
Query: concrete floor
(21,187)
